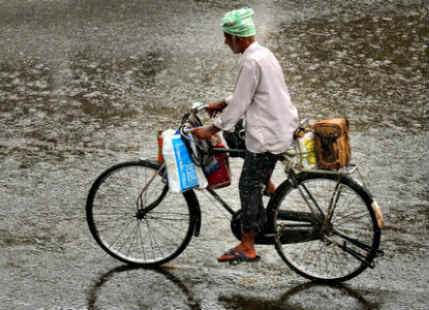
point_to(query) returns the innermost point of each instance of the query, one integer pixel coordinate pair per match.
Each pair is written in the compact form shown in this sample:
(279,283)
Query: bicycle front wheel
(325,226)
(134,218)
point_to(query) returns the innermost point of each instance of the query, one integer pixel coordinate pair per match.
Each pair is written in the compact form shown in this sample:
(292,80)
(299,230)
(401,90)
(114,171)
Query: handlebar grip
(198,106)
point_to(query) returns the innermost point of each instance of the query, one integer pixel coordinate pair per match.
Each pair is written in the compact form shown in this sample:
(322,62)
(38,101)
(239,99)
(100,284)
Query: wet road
(86,84)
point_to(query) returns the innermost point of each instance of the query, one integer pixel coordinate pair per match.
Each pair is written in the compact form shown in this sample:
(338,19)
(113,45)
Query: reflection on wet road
(153,286)
(151,289)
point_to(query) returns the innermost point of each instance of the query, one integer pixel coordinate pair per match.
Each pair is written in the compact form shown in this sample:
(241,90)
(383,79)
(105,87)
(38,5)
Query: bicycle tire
(118,224)
(345,247)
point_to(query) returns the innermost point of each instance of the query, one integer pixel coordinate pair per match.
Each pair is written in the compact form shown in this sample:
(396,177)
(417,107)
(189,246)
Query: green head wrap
(239,23)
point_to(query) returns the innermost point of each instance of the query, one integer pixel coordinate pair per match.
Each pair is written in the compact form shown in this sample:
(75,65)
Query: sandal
(235,257)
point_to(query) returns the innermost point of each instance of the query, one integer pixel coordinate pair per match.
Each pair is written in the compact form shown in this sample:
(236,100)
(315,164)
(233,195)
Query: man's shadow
(124,286)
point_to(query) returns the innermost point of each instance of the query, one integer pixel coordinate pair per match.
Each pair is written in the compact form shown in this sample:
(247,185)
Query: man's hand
(215,108)
(205,132)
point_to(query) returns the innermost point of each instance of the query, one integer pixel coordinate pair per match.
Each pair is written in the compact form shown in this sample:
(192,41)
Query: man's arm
(205,132)
(216,107)
(244,91)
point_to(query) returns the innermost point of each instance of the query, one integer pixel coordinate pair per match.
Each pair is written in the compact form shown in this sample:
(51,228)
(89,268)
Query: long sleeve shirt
(262,97)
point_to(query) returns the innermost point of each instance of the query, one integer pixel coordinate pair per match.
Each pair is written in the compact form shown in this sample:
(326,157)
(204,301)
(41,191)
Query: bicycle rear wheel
(134,218)
(337,246)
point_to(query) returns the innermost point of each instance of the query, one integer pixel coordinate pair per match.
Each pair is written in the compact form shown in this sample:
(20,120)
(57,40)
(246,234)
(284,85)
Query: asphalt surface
(87,84)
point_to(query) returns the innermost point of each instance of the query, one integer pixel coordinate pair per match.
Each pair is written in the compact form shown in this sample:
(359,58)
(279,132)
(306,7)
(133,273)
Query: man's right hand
(205,132)
(214,108)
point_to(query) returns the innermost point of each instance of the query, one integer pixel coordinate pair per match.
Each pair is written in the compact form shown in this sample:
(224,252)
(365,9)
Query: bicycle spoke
(141,239)
(167,227)
(154,244)
(107,217)
(352,217)
(170,222)
(134,236)
(118,238)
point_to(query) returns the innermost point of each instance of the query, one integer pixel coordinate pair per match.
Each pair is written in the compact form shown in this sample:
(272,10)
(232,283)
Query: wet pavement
(87,84)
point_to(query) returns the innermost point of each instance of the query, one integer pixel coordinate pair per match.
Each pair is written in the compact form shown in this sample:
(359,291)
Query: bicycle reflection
(136,287)
(309,295)
(126,287)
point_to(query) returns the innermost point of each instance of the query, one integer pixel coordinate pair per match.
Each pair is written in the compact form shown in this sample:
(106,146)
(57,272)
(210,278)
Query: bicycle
(324,224)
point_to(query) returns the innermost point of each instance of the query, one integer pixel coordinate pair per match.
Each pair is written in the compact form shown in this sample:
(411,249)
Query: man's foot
(245,251)
(235,257)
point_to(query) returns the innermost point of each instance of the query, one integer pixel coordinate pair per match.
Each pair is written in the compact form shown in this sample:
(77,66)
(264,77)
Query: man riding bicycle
(262,98)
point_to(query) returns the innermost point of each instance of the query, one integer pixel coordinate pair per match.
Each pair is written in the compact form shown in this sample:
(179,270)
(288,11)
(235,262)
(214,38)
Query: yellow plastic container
(305,150)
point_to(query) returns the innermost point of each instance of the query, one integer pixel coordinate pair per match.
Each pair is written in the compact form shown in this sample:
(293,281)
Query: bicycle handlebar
(191,117)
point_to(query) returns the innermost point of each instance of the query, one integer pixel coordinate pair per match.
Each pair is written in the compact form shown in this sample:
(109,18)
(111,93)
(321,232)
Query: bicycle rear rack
(349,170)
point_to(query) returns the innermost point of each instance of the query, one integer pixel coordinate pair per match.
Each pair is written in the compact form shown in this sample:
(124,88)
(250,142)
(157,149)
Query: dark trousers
(256,172)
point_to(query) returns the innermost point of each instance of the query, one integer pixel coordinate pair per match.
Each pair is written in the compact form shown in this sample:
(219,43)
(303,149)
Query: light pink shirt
(262,97)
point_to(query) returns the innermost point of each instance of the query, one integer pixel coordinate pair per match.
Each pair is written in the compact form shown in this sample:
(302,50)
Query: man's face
(233,43)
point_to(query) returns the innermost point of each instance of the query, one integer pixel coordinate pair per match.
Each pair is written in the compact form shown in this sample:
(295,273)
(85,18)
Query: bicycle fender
(194,205)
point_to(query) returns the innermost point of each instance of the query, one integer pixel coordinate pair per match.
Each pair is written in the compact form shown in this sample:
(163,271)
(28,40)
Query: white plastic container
(181,171)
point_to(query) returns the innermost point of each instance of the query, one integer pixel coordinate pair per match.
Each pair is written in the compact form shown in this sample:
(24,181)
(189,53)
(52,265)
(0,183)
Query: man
(262,98)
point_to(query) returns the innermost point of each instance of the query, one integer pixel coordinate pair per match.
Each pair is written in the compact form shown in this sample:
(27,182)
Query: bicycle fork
(140,203)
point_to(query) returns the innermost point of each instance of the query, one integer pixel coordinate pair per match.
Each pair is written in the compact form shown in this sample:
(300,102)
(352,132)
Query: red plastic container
(160,140)
(218,173)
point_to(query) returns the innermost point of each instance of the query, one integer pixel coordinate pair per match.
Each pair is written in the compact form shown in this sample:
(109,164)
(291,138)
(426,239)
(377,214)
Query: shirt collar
(255,45)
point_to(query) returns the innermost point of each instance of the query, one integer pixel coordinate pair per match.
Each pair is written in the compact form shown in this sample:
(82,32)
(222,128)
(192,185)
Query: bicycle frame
(315,219)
